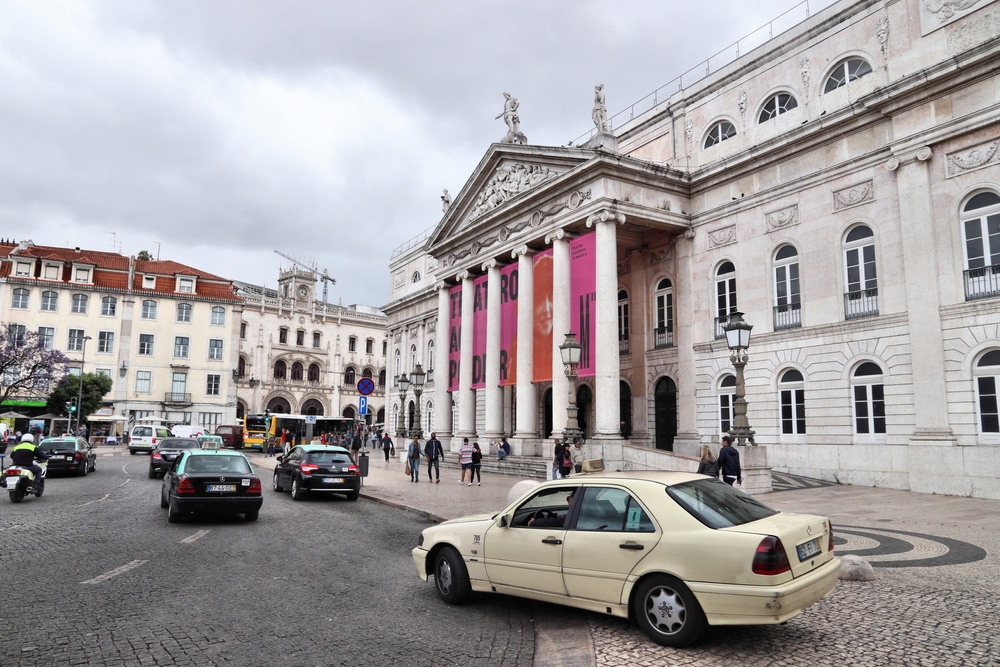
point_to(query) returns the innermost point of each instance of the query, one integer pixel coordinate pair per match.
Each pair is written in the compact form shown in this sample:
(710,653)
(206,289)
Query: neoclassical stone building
(299,355)
(840,185)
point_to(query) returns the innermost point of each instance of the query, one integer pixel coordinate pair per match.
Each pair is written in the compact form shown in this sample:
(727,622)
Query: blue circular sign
(366,386)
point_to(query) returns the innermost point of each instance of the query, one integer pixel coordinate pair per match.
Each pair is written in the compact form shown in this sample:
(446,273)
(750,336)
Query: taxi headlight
(420,540)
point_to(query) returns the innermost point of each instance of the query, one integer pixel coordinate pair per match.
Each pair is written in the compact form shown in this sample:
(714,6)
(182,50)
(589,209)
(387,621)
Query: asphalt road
(92,574)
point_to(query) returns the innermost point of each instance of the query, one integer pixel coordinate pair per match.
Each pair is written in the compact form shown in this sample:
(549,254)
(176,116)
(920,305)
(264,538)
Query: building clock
(303,292)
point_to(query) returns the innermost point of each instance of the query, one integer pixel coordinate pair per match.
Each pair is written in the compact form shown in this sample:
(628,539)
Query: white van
(144,438)
(185,431)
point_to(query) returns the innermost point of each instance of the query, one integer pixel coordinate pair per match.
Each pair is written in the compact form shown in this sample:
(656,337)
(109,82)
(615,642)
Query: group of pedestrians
(470,456)
(726,466)
(567,459)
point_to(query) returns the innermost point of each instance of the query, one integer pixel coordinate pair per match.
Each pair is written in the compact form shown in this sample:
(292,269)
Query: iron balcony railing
(861,303)
(663,337)
(788,316)
(623,345)
(982,283)
(720,323)
(176,398)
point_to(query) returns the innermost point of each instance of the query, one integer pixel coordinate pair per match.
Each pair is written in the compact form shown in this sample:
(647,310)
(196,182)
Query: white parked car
(143,438)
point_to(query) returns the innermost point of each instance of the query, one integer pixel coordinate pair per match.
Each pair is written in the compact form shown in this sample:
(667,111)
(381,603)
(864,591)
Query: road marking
(115,572)
(125,482)
(107,455)
(197,536)
(96,501)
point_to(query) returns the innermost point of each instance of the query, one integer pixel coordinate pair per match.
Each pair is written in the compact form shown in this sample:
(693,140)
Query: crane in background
(322,277)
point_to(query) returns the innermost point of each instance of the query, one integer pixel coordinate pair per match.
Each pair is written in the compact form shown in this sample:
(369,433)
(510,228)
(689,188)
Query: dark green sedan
(211,482)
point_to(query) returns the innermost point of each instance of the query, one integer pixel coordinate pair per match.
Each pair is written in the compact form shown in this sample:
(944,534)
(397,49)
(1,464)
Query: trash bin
(363,463)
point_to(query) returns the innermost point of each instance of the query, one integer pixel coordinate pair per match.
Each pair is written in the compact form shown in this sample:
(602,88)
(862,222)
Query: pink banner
(454,335)
(479,306)
(583,292)
(508,325)
(542,344)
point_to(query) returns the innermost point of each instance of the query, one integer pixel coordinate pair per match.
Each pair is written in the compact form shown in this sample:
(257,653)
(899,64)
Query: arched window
(416,277)
(241,367)
(109,306)
(367,373)
(413,357)
(846,71)
(622,321)
(381,378)
(398,366)
(727,391)
(719,133)
(776,106)
(663,315)
(987,378)
(792,395)
(50,300)
(314,372)
(725,293)
(279,370)
(787,309)
(218,315)
(869,400)
(20,299)
(430,358)
(348,412)
(297,371)
(149,309)
(981,229)
(350,377)
(429,412)
(184,312)
(861,299)
(80,304)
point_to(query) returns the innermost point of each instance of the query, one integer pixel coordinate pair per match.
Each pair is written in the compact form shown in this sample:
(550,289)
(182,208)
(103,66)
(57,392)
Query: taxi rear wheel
(251,515)
(451,579)
(298,493)
(172,516)
(667,611)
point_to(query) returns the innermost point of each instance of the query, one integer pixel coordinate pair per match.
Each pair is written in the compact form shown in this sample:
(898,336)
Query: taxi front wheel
(667,611)
(451,579)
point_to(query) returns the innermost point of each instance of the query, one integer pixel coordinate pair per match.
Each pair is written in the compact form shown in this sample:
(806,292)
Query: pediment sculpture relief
(508,182)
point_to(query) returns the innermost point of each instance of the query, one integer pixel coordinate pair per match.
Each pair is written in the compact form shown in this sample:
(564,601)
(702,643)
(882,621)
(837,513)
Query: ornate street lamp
(570,352)
(738,340)
(123,369)
(404,384)
(79,393)
(417,376)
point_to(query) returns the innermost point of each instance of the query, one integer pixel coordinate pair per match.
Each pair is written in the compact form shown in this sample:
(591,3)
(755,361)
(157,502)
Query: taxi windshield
(326,458)
(57,443)
(718,505)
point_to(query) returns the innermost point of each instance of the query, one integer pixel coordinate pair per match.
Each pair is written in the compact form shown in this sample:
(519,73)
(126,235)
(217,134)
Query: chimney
(76,249)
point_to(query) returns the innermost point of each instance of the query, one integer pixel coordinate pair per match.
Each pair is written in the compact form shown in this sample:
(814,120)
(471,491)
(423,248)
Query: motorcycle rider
(24,455)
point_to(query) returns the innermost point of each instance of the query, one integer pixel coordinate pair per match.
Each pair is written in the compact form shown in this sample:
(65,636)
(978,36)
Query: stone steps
(532,467)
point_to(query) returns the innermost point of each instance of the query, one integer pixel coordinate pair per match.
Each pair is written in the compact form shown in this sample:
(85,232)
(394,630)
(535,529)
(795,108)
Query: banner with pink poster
(583,293)
(454,335)
(479,308)
(542,311)
(508,325)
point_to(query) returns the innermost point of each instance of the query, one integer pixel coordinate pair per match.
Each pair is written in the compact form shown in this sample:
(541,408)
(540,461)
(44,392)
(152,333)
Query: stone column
(493,390)
(687,441)
(607,373)
(466,394)
(560,325)
(442,397)
(527,396)
(923,300)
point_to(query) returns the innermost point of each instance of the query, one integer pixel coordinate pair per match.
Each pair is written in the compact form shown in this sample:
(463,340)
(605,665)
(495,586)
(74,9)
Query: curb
(408,508)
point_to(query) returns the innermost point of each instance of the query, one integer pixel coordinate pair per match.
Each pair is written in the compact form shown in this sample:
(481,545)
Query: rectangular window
(50,300)
(20,299)
(106,341)
(623,320)
(316,338)
(178,383)
(181,344)
(75,343)
(300,337)
(148,282)
(283,336)
(209,420)
(369,346)
(793,412)
(149,309)
(243,330)
(73,371)
(106,372)
(352,344)
(185,285)
(146,344)
(23,269)
(109,305)
(725,412)
(869,409)
(213,384)
(142,381)
(46,336)
(184,312)
(82,276)
(79,304)
(215,348)
(988,414)
(18,333)
(52,272)
(218,315)
(385,347)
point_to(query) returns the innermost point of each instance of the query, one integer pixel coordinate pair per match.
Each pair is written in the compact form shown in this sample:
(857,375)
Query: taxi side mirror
(503,521)
(278,458)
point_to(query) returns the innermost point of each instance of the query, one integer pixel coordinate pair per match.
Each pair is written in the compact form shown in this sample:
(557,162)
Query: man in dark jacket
(435,454)
(24,455)
(729,462)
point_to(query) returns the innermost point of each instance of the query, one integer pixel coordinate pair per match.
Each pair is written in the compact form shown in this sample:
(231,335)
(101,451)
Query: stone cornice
(802,335)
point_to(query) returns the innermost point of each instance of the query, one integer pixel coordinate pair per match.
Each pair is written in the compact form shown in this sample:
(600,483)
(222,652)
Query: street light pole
(417,376)
(738,340)
(570,351)
(404,384)
(79,392)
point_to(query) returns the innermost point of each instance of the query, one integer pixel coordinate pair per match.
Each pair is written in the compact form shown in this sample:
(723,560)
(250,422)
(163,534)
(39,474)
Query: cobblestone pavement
(320,582)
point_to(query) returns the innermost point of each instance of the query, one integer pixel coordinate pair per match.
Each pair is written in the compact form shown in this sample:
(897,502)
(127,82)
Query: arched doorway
(349,412)
(625,408)
(278,405)
(312,407)
(584,404)
(241,410)
(380,417)
(547,419)
(665,413)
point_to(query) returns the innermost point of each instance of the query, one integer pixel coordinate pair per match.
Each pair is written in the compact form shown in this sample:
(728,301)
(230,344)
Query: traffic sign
(363,405)
(310,419)
(366,386)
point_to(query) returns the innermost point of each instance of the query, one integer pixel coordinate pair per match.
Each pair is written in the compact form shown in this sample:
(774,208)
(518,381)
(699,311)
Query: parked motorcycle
(20,481)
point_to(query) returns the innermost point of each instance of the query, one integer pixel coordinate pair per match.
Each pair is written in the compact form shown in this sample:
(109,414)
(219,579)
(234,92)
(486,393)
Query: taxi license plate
(334,480)
(223,488)
(58,458)
(809,549)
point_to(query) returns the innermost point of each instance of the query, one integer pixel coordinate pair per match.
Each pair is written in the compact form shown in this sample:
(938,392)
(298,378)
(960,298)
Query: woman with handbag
(413,460)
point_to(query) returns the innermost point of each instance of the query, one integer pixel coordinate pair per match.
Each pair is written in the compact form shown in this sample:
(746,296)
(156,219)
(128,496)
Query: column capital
(462,276)
(606,215)
(557,235)
(490,264)
(441,285)
(921,154)
(521,250)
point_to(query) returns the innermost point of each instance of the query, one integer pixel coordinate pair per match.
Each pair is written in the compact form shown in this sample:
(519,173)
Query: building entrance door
(547,424)
(665,413)
(584,404)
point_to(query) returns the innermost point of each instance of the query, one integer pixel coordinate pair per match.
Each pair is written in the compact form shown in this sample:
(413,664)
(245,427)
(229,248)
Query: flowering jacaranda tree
(28,369)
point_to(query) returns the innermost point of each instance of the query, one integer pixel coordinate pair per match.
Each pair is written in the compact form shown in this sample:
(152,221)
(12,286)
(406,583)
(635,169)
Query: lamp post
(404,384)
(738,340)
(417,376)
(570,351)
(79,391)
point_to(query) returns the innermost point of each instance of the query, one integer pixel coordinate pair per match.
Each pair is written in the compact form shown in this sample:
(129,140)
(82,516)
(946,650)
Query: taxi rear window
(179,443)
(718,505)
(326,458)
(49,445)
(234,465)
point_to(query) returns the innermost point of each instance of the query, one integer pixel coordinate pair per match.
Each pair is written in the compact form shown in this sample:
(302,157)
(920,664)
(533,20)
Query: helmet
(27,437)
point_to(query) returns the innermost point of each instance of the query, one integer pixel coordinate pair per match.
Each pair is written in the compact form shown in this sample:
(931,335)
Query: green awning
(23,402)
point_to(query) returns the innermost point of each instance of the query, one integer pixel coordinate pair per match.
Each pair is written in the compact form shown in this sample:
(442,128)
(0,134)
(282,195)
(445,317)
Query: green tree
(95,386)
(144,256)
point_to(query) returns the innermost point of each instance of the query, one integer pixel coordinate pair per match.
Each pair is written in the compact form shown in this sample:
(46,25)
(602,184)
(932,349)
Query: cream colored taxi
(673,551)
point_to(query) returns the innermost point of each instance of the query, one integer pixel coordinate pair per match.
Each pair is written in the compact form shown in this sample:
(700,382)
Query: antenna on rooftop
(116,245)
(157,250)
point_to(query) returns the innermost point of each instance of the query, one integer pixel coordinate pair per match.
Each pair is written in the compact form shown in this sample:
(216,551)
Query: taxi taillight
(185,485)
(353,469)
(156,455)
(254,487)
(308,468)
(770,558)
(829,546)
(77,456)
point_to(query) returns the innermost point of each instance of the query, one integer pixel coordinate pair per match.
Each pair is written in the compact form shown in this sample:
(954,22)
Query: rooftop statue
(513,121)
(600,112)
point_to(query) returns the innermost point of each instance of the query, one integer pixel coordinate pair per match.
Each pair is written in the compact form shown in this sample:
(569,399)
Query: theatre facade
(839,185)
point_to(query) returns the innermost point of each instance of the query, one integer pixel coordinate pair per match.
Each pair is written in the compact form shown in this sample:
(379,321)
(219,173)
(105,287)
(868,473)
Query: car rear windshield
(234,465)
(142,432)
(179,443)
(326,458)
(718,505)
(49,445)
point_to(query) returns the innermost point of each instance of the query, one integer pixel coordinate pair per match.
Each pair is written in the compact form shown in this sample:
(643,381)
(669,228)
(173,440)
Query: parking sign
(362,405)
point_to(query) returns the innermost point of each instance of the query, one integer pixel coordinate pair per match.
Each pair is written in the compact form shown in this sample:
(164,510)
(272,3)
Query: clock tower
(298,284)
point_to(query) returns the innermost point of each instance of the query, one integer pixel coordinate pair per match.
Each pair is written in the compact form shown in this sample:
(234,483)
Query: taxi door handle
(551,540)
(631,545)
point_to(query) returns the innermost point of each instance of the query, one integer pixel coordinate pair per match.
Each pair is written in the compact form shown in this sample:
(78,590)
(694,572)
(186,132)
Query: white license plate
(58,458)
(334,480)
(220,487)
(809,549)
(12,481)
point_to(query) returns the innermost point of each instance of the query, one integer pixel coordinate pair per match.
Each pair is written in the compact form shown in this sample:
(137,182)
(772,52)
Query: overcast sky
(227,129)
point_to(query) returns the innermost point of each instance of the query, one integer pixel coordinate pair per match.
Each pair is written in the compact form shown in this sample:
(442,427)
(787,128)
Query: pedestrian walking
(355,447)
(270,446)
(565,462)
(729,462)
(577,455)
(556,451)
(465,458)
(477,464)
(413,459)
(708,464)
(435,454)
(386,446)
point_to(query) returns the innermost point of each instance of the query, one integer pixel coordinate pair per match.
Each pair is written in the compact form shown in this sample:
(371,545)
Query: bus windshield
(256,423)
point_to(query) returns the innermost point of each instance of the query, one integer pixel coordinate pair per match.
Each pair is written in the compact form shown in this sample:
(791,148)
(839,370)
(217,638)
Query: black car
(166,451)
(319,468)
(211,481)
(69,454)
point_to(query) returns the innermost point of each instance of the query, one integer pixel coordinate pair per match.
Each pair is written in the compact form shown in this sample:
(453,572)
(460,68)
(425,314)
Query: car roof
(325,448)
(669,478)
(214,452)
(60,438)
